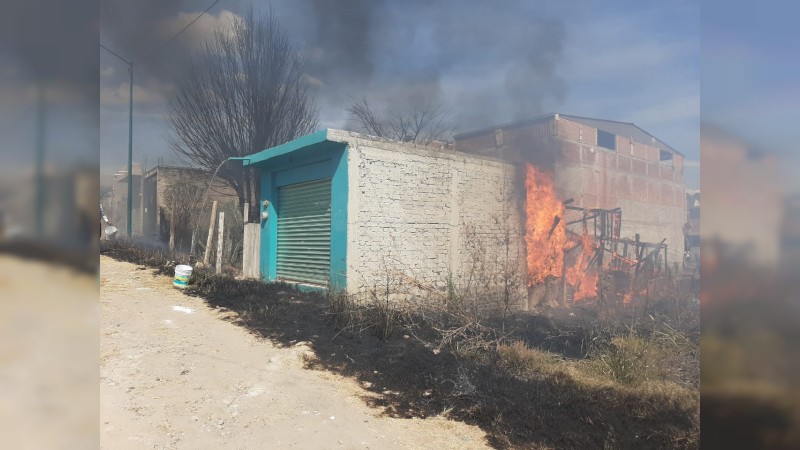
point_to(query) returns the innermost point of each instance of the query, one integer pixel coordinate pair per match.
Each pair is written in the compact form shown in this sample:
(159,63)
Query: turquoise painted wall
(305,159)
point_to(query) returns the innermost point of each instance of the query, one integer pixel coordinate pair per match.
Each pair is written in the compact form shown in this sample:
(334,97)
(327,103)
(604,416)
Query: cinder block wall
(170,176)
(163,177)
(429,217)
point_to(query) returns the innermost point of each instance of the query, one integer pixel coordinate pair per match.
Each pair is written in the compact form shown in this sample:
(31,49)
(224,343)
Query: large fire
(585,283)
(547,238)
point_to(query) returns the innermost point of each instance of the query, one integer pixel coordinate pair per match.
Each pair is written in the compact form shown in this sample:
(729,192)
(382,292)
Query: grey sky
(489,62)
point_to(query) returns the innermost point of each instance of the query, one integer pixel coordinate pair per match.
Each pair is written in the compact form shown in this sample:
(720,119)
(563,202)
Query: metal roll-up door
(304,232)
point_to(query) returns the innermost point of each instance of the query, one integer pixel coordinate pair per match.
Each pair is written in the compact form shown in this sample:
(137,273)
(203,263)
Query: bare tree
(243,93)
(181,201)
(422,125)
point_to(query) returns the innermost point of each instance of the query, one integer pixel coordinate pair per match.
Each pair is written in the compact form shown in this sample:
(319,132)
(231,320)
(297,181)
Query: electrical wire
(164,44)
(158,49)
(115,54)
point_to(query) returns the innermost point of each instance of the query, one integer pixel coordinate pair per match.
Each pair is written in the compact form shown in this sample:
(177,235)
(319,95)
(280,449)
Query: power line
(181,31)
(115,54)
(164,44)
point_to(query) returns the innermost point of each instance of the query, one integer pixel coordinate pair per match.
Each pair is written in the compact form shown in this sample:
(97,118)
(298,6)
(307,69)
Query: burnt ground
(407,378)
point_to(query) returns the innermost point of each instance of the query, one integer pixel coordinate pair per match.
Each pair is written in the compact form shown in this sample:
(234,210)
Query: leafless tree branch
(243,93)
(423,125)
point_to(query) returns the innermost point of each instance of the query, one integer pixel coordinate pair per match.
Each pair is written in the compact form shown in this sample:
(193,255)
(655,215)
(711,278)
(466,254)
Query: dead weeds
(541,383)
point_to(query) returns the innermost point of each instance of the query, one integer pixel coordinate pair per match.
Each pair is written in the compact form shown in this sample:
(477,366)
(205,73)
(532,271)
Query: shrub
(521,361)
(385,317)
(379,315)
(628,360)
(343,311)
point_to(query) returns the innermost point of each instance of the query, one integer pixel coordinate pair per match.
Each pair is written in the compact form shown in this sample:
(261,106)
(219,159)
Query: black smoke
(401,55)
(486,62)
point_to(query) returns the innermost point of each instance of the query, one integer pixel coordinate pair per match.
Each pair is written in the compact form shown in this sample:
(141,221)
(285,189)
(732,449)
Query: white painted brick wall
(409,209)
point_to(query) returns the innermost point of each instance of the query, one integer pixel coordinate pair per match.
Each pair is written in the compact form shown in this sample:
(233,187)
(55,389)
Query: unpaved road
(173,374)
(48,356)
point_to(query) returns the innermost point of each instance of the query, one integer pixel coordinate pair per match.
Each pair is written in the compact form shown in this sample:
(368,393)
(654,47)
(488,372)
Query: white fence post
(251,246)
(210,233)
(220,241)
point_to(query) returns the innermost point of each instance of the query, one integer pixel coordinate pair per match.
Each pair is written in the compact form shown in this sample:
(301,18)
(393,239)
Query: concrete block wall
(427,215)
(161,178)
(169,176)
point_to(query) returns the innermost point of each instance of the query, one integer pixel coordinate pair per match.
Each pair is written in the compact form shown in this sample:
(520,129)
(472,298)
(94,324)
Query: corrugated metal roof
(514,124)
(626,129)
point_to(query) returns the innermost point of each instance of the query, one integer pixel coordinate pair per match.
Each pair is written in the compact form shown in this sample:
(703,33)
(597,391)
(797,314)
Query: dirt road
(175,375)
(48,356)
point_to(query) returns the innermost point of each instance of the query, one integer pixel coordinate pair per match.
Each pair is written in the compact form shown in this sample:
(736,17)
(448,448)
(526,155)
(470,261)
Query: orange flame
(546,237)
(585,283)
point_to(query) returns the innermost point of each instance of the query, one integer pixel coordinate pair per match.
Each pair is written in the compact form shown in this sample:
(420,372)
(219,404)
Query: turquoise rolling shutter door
(304,232)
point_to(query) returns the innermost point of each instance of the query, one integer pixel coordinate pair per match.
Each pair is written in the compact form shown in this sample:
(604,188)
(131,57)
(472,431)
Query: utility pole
(130,154)
(40,143)
(130,112)
(130,140)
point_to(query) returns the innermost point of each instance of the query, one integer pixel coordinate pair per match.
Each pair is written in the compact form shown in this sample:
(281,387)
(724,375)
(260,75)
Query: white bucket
(111,232)
(182,275)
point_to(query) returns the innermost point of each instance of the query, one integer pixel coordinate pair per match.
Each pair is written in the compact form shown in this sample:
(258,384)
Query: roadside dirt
(173,374)
(48,356)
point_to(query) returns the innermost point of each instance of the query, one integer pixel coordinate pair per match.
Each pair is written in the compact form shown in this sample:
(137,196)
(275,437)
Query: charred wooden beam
(584,219)
(564,279)
(556,221)
(653,252)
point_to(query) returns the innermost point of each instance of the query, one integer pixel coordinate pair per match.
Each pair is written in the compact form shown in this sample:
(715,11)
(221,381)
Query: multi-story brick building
(599,164)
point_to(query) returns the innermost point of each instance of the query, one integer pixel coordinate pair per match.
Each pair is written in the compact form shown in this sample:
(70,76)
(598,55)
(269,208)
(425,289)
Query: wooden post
(564,280)
(210,233)
(172,229)
(220,241)
(246,213)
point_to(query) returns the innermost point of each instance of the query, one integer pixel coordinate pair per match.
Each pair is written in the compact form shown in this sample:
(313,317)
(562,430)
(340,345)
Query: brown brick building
(599,164)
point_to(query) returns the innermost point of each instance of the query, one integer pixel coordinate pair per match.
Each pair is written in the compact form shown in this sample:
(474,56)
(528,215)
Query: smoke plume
(486,62)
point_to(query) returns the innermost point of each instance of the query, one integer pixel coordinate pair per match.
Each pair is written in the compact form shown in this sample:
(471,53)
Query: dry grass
(629,360)
(536,384)
(519,360)
(352,316)
(607,387)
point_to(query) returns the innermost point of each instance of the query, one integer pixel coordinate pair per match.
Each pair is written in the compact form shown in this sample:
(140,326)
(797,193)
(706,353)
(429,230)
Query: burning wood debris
(550,246)
(554,252)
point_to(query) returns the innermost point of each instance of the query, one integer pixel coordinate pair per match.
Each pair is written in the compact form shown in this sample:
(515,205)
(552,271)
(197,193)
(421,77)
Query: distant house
(157,182)
(115,201)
